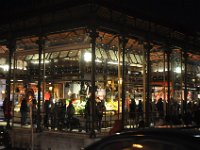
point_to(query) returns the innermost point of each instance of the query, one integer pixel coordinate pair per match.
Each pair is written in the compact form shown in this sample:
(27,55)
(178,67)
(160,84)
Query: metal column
(148,48)
(11,47)
(93,35)
(124,41)
(185,55)
(40,46)
(168,81)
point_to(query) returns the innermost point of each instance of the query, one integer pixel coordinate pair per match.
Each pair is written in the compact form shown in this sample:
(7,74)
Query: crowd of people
(58,115)
(174,113)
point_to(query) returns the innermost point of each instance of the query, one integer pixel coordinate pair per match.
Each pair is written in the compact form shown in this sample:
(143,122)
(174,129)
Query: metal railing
(131,120)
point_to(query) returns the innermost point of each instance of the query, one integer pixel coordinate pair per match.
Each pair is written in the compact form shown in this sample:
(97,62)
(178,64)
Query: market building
(68,51)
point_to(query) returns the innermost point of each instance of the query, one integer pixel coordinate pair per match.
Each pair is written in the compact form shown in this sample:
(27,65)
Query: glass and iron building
(72,50)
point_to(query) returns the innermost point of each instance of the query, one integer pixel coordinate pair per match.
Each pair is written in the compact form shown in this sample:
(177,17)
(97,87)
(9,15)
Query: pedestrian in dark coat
(47,113)
(132,108)
(23,110)
(160,108)
(88,114)
(7,108)
(70,110)
(100,108)
(34,110)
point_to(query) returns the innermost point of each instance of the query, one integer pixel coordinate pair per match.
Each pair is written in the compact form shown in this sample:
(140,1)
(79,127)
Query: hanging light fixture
(87,56)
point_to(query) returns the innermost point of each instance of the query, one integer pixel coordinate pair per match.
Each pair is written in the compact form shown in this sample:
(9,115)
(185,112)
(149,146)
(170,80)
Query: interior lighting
(37,62)
(50,88)
(98,61)
(160,70)
(109,82)
(118,133)
(4,67)
(136,65)
(113,63)
(178,69)
(87,56)
(120,81)
(198,136)
(69,92)
(193,80)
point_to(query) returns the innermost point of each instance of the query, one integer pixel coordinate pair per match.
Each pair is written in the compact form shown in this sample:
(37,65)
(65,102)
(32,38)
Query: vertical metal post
(82,67)
(31,120)
(168,81)
(148,80)
(40,45)
(105,72)
(182,102)
(119,77)
(43,75)
(144,65)
(185,55)
(93,35)
(124,41)
(14,83)
(11,47)
(164,81)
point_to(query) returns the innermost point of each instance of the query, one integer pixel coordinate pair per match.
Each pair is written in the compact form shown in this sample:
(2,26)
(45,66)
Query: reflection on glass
(137,146)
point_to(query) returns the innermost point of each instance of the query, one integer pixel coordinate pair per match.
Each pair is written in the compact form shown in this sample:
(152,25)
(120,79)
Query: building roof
(182,15)
(164,20)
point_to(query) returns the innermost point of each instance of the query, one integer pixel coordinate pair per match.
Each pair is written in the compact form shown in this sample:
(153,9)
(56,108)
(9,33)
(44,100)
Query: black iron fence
(79,123)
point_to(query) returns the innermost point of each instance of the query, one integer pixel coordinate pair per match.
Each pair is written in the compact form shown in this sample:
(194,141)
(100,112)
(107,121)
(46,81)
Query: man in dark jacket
(23,110)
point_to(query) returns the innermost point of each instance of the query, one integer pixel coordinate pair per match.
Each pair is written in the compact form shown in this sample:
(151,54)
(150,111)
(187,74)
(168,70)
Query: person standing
(140,110)
(47,111)
(88,114)
(70,110)
(23,110)
(132,112)
(34,110)
(160,108)
(100,108)
(7,108)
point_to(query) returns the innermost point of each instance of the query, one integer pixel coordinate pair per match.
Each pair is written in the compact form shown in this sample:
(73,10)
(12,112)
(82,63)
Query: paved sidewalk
(49,140)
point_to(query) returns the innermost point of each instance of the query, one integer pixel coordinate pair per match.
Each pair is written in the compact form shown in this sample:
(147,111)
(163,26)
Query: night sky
(182,15)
